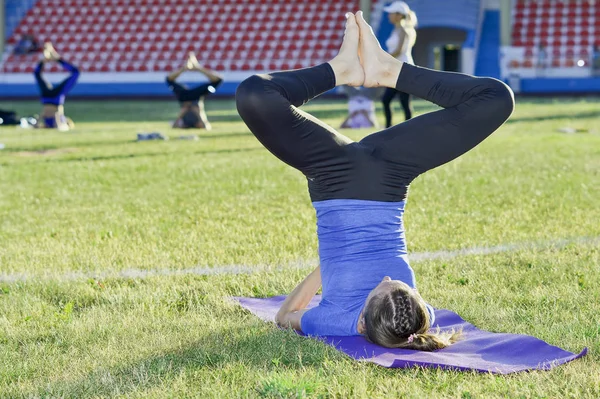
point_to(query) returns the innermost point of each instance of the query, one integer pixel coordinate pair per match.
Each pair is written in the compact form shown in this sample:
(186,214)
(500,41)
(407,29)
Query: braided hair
(400,320)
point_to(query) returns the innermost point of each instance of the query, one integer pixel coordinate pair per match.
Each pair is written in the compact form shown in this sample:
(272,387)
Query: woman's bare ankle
(390,72)
(346,73)
(382,73)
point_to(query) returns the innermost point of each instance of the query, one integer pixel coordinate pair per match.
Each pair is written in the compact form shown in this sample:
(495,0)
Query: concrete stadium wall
(434,36)
(15,10)
(3,28)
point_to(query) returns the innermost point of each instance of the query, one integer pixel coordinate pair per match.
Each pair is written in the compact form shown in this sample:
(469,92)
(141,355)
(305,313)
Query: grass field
(81,213)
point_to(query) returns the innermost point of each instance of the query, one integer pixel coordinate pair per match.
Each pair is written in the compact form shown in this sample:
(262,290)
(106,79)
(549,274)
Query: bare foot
(192,61)
(50,53)
(346,65)
(47,51)
(380,68)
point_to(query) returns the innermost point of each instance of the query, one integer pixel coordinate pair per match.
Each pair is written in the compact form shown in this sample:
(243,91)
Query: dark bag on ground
(8,118)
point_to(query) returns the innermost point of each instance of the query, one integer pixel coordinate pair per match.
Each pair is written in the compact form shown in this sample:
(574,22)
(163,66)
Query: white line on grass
(301,264)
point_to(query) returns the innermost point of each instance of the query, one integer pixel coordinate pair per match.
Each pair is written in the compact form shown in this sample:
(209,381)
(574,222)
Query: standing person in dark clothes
(399,45)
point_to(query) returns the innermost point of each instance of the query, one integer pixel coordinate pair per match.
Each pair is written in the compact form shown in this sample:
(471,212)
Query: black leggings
(387,98)
(194,94)
(381,166)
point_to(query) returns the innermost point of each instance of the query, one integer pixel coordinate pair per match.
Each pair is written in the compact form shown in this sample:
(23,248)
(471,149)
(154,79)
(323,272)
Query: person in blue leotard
(359,188)
(53,97)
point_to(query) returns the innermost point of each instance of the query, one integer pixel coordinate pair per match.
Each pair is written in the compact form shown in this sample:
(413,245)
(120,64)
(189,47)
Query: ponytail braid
(400,320)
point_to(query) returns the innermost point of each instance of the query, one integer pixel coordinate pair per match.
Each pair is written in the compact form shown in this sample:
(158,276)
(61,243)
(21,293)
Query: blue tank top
(58,100)
(360,242)
(50,122)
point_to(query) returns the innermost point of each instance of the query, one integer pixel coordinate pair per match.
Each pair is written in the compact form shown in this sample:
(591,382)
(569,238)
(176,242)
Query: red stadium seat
(556,52)
(528,52)
(584,52)
(141,35)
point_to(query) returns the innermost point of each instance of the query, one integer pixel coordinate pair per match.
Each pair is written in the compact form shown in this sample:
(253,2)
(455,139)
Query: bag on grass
(8,118)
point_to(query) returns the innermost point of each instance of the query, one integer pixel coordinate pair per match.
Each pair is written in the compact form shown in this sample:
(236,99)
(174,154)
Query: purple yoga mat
(479,350)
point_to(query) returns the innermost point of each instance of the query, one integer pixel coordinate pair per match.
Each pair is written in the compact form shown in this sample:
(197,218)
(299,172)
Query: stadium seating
(154,35)
(555,33)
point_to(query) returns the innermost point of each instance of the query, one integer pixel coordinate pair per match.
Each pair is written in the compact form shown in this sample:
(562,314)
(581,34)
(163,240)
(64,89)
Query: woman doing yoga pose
(359,188)
(53,97)
(191,101)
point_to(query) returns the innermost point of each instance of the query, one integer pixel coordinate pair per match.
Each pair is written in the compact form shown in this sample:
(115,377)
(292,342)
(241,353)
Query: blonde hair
(400,320)
(410,19)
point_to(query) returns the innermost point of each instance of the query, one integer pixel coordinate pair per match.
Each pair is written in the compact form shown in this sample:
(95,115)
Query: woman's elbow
(280,319)
(287,319)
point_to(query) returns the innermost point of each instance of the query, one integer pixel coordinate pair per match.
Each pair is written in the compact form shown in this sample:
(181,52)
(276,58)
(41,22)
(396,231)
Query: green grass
(93,202)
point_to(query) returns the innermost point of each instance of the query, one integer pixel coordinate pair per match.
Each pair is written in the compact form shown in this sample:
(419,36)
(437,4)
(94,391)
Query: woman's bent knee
(249,94)
(503,96)
(250,88)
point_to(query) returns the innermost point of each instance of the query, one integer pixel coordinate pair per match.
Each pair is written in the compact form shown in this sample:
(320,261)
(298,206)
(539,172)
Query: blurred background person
(542,60)
(26,45)
(53,97)
(361,108)
(191,101)
(596,60)
(399,45)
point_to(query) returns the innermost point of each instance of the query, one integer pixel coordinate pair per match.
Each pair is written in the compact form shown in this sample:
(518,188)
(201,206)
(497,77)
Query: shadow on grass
(256,348)
(130,156)
(85,144)
(579,115)
(114,111)
(82,144)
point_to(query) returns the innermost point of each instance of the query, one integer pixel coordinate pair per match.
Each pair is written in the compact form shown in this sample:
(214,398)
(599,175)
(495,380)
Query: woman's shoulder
(330,319)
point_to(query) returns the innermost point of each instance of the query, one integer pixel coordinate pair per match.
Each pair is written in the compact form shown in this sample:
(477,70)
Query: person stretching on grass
(191,101)
(53,98)
(359,188)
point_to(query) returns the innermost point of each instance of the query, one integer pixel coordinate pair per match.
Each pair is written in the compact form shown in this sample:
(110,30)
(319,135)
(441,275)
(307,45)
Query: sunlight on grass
(96,201)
